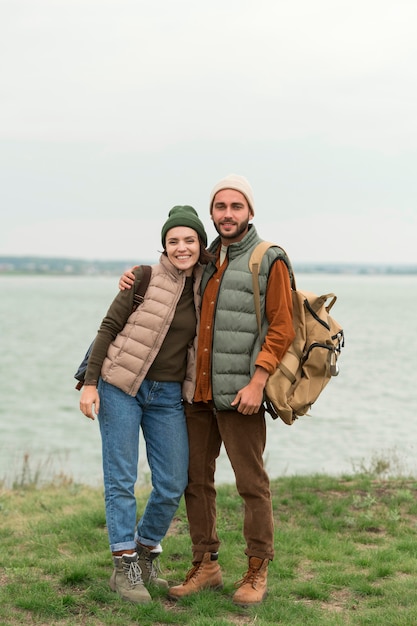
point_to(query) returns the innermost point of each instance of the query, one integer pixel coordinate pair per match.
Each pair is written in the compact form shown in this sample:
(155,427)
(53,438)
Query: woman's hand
(89,399)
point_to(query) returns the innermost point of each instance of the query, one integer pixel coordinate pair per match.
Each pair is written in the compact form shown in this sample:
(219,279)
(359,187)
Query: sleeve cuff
(269,364)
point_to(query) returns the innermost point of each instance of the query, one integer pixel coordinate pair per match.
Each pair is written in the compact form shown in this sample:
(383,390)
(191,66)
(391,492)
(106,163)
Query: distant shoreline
(48,266)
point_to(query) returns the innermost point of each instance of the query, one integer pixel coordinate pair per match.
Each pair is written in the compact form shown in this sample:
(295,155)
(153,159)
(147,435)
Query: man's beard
(241,229)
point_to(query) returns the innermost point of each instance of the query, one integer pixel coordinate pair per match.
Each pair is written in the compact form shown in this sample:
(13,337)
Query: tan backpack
(311,360)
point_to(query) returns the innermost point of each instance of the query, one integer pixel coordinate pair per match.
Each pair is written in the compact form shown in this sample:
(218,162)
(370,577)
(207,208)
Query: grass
(346,554)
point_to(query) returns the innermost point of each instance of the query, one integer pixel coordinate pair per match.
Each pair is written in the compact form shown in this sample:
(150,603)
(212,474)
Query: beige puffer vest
(133,351)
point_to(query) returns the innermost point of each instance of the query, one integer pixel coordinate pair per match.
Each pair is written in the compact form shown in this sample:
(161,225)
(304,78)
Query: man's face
(230,214)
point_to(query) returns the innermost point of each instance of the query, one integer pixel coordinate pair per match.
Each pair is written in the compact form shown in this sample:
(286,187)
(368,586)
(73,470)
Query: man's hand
(127,279)
(89,399)
(249,399)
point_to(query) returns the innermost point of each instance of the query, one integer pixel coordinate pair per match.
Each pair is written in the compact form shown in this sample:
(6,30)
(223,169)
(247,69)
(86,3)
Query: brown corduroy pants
(244,439)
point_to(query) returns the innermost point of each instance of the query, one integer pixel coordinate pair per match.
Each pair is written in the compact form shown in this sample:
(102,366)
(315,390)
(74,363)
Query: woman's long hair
(205,255)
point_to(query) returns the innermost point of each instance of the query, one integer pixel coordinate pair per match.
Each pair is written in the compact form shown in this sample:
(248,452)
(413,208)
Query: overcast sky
(113,111)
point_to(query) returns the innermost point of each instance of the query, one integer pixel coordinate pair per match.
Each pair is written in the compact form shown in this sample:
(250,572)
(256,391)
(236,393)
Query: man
(233,366)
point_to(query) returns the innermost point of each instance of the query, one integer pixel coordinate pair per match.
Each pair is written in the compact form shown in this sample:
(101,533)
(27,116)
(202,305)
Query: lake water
(368,412)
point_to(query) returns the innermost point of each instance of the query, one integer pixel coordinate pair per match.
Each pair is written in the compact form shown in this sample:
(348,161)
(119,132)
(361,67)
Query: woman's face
(183,248)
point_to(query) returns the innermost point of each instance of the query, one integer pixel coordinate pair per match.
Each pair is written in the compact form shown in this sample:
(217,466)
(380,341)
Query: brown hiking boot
(127,580)
(149,566)
(203,575)
(252,588)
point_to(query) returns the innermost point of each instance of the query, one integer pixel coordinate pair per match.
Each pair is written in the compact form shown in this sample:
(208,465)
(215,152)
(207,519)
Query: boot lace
(153,567)
(133,572)
(193,572)
(250,578)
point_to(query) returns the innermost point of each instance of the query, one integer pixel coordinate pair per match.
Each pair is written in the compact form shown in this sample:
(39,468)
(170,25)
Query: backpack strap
(142,287)
(254,266)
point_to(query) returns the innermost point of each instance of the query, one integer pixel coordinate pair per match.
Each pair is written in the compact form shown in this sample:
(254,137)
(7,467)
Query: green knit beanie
(183,216)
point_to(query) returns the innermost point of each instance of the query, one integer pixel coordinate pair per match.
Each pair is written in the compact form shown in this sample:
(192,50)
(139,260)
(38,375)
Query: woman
(141,368)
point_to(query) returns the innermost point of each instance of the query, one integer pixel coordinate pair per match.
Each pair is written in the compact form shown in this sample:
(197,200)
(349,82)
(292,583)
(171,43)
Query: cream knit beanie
(239,183)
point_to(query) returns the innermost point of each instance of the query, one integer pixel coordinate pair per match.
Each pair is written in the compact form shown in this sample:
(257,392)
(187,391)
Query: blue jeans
(158,410)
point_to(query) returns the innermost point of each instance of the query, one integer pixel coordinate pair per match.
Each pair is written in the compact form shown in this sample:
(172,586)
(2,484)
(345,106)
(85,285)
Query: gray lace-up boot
(127,579)
(149,565)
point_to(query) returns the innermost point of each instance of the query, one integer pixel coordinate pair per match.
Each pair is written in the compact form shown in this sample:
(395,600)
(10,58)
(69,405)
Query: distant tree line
(62,266)
(82,267)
